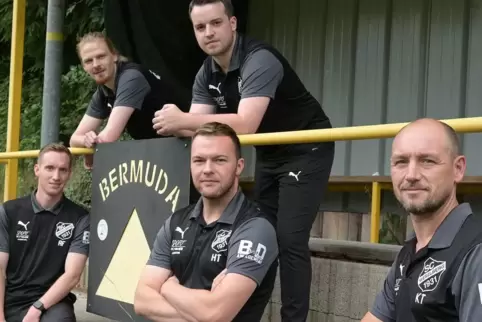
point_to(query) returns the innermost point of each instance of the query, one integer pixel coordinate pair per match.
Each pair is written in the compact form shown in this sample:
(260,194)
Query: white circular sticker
(102,229)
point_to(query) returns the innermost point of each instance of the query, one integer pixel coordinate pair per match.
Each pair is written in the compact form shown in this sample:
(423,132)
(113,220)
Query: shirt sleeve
(96,107)
(200,93)
(384,306)
(80,243)
(252,249)
(4,237)
(261,75)
(467,286)
(132,89)
(161,251)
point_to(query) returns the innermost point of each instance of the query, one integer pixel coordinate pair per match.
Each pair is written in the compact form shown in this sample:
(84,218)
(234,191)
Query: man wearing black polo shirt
(127,94)
(44,244)
(437,276)
(221,252)
(249,85)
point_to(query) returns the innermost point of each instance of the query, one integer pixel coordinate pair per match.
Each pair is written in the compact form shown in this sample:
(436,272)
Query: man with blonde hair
(44,245)
(128,95)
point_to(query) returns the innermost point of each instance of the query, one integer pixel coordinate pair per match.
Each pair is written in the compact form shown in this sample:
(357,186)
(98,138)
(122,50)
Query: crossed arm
(161,298)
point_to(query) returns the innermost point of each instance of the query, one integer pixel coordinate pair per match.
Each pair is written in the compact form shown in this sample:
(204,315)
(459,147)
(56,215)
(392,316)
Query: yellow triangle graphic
(120,280)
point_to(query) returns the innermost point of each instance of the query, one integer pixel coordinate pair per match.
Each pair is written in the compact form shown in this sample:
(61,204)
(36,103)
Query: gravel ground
(81,314)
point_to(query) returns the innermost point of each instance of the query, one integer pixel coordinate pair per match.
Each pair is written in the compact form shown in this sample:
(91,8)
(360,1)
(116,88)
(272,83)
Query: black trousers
(291,189)
(60,312)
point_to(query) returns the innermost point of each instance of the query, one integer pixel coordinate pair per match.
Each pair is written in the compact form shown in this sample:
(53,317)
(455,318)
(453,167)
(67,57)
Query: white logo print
(246,251)
(431,274)
(86,238)
(216,88)
(292,174)
(240,84)
(401,269)
(220,242)
(23,224)
(23,235)
(480,292)
(155,75)
(179,230)
(64,230)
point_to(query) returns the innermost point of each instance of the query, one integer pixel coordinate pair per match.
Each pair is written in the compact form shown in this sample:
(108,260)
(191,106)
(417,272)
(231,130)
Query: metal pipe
(52,72)
(461,125)
(380,131)
(375,212)
(34,153)
(15,97)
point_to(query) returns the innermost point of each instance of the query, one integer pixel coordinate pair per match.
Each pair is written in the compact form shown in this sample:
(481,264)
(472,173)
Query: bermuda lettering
(215,258)
(245,250)
(419,298)
(147,173)
(173,197)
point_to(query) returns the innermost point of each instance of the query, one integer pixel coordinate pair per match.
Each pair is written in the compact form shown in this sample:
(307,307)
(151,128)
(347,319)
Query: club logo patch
(431,274)
(220,242)
(64,230)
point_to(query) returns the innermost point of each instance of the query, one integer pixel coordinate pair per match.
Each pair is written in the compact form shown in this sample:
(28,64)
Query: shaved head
(426,165)
(451,136)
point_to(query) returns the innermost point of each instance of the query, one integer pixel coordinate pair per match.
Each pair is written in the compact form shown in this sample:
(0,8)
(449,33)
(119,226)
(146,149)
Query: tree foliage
(81,16)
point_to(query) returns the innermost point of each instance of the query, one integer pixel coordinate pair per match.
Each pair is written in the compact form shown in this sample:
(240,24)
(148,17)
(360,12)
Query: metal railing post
(15,97)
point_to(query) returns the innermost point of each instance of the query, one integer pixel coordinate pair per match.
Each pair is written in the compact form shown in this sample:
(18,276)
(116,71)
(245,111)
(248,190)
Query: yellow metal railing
(15,96)
(463,125)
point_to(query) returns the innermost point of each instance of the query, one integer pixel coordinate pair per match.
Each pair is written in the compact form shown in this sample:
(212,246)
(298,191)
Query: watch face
(38,305)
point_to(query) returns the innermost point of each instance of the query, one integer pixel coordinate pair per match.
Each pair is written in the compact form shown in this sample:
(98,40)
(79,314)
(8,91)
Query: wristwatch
(39,306)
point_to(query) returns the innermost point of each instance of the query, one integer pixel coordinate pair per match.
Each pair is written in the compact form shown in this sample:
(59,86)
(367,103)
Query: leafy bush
(81,16)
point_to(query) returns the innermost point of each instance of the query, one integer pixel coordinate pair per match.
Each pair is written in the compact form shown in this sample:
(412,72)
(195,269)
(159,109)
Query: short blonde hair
(97,35)
(56,147)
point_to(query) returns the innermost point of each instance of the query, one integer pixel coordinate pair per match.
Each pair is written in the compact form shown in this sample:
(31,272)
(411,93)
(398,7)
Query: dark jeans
(291,189)
(60,312)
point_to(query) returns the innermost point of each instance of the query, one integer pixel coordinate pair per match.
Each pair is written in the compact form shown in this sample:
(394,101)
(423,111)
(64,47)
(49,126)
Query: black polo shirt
(259,70)
(242,240)
(441,282)
(141,89)
(38,241)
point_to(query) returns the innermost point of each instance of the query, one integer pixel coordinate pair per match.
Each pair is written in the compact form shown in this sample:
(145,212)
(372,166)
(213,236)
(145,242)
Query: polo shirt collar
(37,208)
(448,229)
(229,214)
(235,62)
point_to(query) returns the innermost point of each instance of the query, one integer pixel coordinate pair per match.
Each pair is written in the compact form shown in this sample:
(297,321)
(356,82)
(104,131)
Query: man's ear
(460,164)
(240,167)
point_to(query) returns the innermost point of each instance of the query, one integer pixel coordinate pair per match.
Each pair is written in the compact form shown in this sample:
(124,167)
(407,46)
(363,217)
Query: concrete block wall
(341,291)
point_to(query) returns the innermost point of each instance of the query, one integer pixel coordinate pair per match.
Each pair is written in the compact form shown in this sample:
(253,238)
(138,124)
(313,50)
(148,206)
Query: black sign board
(136,186)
